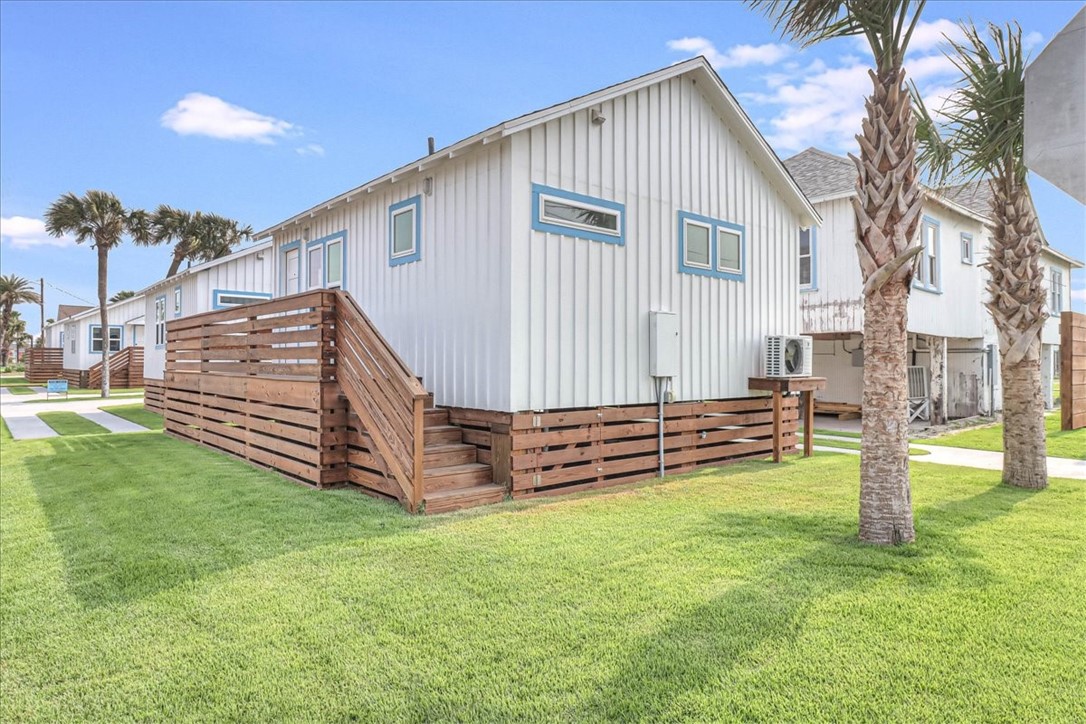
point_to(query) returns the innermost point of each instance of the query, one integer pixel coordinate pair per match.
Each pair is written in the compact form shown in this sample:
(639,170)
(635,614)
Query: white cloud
(199,114)
(737,56)
(1078,295)
(24,233)
(310,149)
(929,36)
(1032,40)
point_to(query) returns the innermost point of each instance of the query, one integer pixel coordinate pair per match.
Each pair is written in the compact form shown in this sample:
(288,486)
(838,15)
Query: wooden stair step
(456,476)
(443,456)
(444,501)
(443,435)
(435,417)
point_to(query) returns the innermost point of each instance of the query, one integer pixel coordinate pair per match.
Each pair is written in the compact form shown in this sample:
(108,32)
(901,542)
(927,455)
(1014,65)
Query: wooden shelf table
(781,386)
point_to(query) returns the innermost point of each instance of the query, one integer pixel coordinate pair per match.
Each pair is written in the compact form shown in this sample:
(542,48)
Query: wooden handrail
(384,393)
(118,363)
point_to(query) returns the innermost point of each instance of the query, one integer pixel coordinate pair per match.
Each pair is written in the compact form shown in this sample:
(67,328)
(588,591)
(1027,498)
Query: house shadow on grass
(816,558)
(134,515)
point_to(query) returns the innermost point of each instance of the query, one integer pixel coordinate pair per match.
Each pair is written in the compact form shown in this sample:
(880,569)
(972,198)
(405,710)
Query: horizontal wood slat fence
(1072,370)
(44,364)
(154,393)
(306,386)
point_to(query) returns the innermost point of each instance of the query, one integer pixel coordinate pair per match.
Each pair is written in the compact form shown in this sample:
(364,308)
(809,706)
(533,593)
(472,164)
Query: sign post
(56,387)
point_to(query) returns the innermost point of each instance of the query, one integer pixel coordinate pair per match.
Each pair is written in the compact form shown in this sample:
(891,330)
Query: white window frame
(1055,291)
(328,255)
(558,221)
(160,322)
(177,301)
(809,284)
(687,223)
(739,240)
(967,246)
(311,250)
(413,210)
(97,348)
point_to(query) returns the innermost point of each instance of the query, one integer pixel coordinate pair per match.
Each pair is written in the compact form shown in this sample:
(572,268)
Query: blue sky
(257,111)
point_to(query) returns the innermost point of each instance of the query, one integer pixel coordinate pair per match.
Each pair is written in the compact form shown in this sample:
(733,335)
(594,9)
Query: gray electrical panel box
(663,344)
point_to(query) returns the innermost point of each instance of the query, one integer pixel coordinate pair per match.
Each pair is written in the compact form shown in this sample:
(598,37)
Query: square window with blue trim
(556,211)
(711,247)
(405,231)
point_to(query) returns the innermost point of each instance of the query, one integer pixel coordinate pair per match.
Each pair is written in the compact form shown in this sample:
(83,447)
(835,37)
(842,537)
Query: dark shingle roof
(820,174)
(975,196)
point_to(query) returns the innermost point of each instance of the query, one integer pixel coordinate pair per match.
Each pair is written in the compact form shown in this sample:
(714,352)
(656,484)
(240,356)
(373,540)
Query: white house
(242,277)
(54,330)
(516,270)
(950,331)
(82,338)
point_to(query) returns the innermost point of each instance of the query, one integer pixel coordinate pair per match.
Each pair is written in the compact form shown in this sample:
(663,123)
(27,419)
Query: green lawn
(16,384)
(849,445)
(70,423)
(145,578)
(136,414)
(1071,444)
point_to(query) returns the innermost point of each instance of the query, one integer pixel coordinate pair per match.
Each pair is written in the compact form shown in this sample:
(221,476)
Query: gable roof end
(722,99)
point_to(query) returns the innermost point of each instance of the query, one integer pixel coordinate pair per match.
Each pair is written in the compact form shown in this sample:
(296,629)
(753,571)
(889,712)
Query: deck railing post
(418,454)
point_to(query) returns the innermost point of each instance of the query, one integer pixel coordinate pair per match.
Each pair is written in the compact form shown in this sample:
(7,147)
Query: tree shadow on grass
(134,515)
(815,558)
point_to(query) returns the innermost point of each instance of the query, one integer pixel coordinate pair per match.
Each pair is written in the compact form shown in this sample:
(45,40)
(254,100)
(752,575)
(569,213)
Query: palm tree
(982,136)
(121,296)
(98,217)
(887,206)
(196,236)
(13,290)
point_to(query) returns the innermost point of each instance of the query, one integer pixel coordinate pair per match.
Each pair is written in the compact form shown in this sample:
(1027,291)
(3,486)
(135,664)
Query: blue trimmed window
(177,301)
(808,261)
(228,298)
(160,322)
(116,338)
(928,273)
(711,247)
(325,261)
(405,231)
(555,211)
(967,248)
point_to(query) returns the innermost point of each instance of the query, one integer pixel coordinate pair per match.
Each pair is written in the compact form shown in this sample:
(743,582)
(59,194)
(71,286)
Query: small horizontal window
(556,211)
(223,299)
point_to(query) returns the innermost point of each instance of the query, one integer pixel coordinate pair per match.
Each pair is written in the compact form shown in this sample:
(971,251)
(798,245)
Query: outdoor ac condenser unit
(787,356)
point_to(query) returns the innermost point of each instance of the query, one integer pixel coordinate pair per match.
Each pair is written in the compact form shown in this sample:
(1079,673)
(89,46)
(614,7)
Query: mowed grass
(16,384)
(136,414)
(70,423)
(850,445)
(145,578)
(1061,444)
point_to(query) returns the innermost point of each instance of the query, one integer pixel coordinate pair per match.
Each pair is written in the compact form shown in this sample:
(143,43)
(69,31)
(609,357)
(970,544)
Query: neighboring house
(950,331)
(54,331)
(82,335)
(516,270)
(242,277)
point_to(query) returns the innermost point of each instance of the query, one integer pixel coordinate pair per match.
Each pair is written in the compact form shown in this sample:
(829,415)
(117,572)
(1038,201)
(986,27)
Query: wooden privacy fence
(271,383)
(125,369)
(558,452)
(44,364)
(154,392)
(1072,370)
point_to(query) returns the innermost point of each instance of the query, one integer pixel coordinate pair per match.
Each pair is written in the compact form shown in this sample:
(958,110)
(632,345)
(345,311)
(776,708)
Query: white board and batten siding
(248,270)
(499,316)
(581,308)
(955,310)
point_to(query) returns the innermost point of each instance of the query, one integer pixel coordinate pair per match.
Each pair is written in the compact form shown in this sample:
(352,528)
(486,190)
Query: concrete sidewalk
(22,418)
(966,458)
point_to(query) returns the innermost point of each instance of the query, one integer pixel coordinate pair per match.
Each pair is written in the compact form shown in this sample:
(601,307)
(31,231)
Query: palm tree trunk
(103,312)
(175,264)
(5,321)
(1024,446)
(888,206)
(1017,305)
(886,514)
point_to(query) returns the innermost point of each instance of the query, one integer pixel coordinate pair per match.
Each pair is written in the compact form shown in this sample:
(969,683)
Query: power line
(73,296)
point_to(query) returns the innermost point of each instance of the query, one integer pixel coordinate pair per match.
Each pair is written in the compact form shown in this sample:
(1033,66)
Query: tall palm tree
(100,218)
(887,206)
(196,236)
(13,290)
(982,136)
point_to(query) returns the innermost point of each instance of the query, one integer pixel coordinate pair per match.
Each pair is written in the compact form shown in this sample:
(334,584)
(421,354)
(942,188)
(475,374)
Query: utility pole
(41,307)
